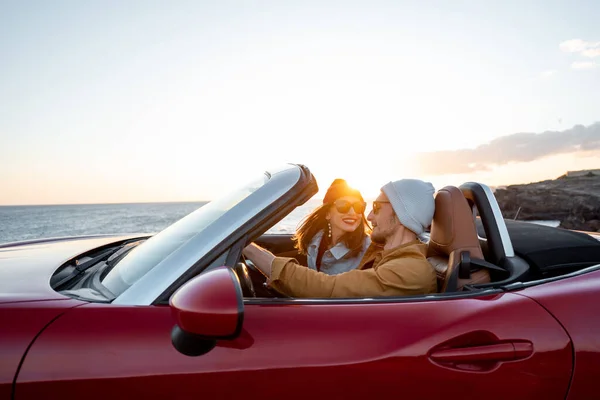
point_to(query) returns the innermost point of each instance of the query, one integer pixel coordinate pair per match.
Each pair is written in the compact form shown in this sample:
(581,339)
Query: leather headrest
(453,227)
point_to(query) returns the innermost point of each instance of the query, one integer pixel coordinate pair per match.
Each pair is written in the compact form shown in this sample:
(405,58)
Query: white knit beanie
(413,202)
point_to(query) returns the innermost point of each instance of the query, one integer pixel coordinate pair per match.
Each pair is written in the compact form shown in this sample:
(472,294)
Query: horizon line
(103,204)
(493,187)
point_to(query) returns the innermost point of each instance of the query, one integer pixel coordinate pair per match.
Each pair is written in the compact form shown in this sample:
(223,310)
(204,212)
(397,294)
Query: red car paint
(21,322)
(310,350)
(27,302)
(209,304)
(574,303)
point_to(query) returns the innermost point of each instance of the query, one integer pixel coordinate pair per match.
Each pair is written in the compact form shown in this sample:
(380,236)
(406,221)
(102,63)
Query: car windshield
(148,255)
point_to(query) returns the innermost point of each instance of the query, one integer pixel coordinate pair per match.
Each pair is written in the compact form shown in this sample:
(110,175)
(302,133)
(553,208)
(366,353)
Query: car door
(493,346)
(572,300)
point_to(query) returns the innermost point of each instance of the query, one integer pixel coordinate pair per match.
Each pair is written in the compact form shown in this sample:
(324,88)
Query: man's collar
(403,245)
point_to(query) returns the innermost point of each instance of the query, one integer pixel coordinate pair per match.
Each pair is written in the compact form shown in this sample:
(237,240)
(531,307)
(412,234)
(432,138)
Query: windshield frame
(201,246)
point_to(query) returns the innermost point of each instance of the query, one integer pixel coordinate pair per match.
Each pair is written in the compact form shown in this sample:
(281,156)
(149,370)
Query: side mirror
(208,307)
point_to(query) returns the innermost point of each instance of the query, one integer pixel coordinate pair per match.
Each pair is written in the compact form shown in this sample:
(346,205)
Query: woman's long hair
(317,221)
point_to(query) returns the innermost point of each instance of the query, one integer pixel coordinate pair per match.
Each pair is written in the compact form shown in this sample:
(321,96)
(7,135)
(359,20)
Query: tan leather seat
(452,233)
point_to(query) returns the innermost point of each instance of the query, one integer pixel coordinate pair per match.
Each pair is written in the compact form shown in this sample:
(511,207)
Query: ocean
(36,222)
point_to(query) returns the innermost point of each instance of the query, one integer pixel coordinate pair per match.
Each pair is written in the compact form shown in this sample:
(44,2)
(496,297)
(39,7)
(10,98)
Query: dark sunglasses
(343,206)
(377,206)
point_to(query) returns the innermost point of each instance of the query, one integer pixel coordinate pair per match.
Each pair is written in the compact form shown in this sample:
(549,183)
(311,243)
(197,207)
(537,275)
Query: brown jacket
(396,272)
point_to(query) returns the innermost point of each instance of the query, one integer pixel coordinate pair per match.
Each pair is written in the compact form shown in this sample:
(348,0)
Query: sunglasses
(377,206)
(343,206)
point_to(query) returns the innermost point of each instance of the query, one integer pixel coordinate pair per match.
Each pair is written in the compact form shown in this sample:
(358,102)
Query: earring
(329,227)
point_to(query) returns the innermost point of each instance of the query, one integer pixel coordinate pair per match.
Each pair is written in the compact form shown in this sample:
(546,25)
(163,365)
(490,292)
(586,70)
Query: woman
(335,236)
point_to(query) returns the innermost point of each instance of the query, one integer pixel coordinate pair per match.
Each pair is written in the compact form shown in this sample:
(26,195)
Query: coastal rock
(574,201)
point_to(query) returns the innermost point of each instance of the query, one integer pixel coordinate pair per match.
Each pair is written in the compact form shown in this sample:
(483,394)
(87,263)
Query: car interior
(472,247)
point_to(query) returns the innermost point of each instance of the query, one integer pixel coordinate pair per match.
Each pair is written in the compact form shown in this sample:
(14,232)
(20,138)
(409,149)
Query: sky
(143,101)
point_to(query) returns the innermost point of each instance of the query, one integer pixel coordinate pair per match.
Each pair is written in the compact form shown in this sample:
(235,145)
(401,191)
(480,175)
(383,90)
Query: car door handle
(498,352)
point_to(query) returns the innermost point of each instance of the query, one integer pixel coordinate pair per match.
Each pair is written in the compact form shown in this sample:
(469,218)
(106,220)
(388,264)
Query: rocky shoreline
(574,201)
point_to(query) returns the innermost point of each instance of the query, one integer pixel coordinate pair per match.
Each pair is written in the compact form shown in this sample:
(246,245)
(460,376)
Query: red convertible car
(181,314)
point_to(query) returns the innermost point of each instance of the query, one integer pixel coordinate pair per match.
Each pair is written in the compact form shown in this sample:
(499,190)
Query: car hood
(26,267)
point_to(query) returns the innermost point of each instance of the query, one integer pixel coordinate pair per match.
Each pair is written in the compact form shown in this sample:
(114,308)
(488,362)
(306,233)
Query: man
(394,265)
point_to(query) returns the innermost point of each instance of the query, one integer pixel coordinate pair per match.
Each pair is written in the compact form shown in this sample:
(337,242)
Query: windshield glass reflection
(146,256)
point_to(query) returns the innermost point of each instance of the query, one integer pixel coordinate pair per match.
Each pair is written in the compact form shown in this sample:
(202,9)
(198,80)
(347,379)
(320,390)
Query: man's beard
(381,236)
(376,238)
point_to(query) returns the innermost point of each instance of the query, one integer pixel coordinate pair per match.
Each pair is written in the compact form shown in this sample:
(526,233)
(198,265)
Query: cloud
(584,65)
(591,53)
(518,147)
(585,48)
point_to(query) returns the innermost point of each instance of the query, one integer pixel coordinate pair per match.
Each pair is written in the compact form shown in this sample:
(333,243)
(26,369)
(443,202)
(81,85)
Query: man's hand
(262,258)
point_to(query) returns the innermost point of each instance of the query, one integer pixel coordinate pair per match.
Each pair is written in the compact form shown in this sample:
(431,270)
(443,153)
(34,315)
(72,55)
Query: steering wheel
(253,281)
(241,270)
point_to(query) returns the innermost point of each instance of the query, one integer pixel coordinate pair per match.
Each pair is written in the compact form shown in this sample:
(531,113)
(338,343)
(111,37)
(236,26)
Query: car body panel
(289,350)
(26,268)
(20,323)
(573,302)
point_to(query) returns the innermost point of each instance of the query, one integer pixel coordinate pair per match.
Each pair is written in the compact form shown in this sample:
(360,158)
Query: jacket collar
(338,251)
(400,249)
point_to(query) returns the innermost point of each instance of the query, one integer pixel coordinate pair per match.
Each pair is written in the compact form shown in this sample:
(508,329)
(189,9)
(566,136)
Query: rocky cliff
(574,201)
